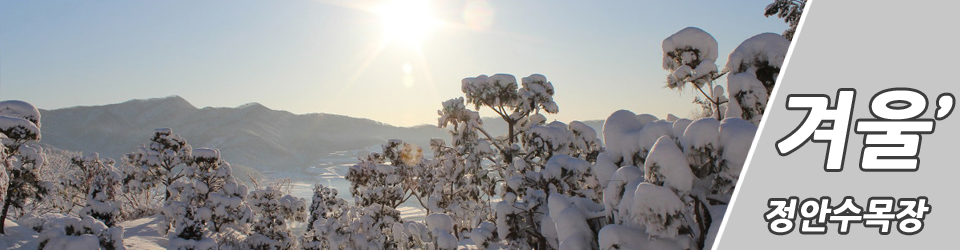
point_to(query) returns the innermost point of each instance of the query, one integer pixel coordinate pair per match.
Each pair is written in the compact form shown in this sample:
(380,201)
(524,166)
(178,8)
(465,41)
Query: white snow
(752,94)
(621,133)
(439,222)
(572,229)
(209,154)
(20,109)
(767,47)
(690,38)
(680,126)
(604,169)
(658,209)
(652,132)
(701,133)
(558,163)
(646,118)
(668,165)
(736,136)
(19,128)
(615,236)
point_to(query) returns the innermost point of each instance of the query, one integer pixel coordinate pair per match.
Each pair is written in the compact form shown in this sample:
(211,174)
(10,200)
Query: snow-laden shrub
(621,133)
(690,56)
(754,67)
(667,166)
(80,233)
(206,204)
(102,195)
(736,135)
(184,215)
(701,144)
(435,234)
(659,210)
(325,209)
(274,213)
(571,176)
(649,135)
(157,164)
(571,217)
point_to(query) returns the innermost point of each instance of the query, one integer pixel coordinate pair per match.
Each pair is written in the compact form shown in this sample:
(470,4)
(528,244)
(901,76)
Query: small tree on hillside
(101,180)
(754,67)
(271,229)
(325,212)
(690,55)
(23,160)
(158,164)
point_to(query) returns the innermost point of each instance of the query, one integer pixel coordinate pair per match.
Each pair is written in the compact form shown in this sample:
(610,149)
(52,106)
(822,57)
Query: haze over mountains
(250,135)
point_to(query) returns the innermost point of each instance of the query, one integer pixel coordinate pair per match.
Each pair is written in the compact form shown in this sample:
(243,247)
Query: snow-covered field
(140,234)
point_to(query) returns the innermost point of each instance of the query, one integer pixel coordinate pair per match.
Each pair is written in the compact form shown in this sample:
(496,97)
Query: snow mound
(701,133)
(748,92)
(621,131)
(668,166)
(646,118)
(690,38)
(736,136)
(19,128)
(767,47)
(207,154)
(559,164)
(439,222)
(20,109)
(652,132)
(680,126)
(604,169)
(659,209)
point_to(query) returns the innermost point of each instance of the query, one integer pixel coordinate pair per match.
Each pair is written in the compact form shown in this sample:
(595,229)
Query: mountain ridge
(250,134)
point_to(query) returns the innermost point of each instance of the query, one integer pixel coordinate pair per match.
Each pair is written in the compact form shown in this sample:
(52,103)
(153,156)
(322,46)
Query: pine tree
(788,10)
(271,229)
(159,163)
(23,160)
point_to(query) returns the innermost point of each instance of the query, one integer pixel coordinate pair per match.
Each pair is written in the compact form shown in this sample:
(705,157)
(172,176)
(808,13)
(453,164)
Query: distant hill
(251,134)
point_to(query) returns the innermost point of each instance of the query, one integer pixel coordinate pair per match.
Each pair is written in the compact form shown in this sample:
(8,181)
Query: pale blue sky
(321,56)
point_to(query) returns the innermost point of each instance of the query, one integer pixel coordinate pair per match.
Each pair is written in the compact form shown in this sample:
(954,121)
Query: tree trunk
(508,154)
(3,214)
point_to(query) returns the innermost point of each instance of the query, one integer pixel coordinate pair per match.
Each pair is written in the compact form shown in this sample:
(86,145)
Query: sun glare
(407,20)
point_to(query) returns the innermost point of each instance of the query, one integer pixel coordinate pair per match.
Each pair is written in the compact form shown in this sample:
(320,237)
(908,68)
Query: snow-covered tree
(379,184)
(207,205)
(22,159)
(101,180)
(226,195)
(185,217)
(325,209)
(274,210)
(159,163)
(753,67)
(788,10)
(690,55)
(684,184)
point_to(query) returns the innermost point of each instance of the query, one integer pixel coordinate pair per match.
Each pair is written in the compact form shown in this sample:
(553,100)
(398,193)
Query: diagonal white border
(763,121)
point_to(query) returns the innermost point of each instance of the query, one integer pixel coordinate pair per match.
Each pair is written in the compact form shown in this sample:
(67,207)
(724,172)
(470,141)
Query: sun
(407,20)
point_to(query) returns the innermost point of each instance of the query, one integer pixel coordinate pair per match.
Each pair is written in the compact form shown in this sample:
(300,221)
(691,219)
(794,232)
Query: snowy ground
(142,234)
(139,234)
(18,237)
